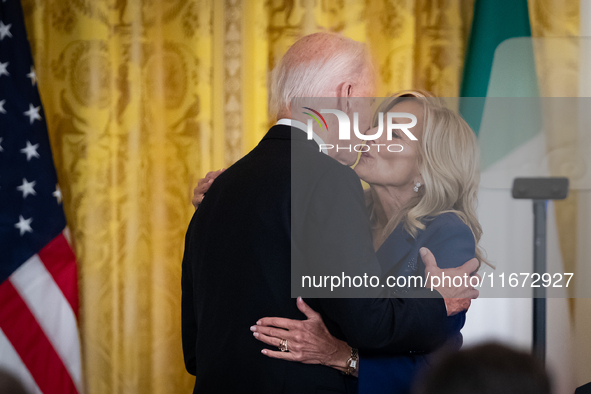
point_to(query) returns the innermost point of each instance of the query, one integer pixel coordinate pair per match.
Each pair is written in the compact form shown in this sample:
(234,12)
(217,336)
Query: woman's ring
(283,345)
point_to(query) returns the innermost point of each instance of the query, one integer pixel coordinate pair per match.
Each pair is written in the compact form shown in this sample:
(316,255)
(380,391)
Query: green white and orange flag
(500,100)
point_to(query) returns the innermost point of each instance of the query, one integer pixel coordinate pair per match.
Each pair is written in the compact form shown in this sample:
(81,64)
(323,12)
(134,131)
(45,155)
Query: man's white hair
(316,71)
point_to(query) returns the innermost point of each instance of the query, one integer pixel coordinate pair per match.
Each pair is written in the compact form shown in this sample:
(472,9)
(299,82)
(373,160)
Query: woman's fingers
(272,341)
(278,354)
(281,322)
(272,332)
(308,341)
(275,343)
(306,310)
(197,197)
(203,186)
(214,174)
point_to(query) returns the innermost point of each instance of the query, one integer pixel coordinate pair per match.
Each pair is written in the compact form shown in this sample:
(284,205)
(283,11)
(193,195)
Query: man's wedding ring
(283,345)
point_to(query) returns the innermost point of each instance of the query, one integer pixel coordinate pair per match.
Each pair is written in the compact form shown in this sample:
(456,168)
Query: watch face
(354,364)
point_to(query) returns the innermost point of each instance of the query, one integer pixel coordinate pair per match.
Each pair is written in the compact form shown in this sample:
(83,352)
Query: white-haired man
(243,239)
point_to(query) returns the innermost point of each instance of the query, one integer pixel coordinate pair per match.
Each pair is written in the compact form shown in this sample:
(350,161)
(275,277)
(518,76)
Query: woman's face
(379,166)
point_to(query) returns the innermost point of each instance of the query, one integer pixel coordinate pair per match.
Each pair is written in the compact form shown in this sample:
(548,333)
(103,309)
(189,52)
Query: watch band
(352,362)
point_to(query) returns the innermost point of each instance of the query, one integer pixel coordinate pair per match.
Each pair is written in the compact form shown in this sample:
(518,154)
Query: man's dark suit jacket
(585,389)
(236,270)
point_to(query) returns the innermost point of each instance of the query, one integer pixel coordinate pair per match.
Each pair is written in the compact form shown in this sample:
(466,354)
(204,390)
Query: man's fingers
(306,310)
(428,258)
(457,305)
(470,266)
(464,304)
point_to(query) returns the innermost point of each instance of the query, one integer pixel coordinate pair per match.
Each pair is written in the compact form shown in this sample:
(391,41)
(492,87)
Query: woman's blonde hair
(449,164)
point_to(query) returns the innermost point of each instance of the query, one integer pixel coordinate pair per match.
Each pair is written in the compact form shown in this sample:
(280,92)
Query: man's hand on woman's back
(457,298)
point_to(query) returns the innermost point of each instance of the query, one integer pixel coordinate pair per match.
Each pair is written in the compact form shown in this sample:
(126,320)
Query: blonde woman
(422,196)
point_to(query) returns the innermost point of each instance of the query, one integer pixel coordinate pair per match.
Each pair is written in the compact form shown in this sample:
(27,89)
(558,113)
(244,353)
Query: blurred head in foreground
(486,369)
(9,384)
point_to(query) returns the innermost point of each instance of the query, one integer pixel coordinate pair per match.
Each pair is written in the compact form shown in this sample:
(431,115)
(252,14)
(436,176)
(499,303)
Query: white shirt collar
(300,125)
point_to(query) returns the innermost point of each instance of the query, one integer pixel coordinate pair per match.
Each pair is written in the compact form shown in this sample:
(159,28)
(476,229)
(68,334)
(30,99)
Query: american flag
(39,340)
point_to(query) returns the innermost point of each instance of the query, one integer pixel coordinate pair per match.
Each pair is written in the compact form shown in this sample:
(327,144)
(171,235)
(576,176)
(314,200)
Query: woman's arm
(308,341)
(451,241)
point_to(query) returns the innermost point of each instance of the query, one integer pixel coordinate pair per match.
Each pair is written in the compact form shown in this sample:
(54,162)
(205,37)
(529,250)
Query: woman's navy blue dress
(452,243)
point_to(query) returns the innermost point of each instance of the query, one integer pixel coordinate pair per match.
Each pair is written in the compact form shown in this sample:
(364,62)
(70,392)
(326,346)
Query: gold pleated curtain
(142,98)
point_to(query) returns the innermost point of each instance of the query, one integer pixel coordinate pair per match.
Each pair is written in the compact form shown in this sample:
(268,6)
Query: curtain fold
(119,83)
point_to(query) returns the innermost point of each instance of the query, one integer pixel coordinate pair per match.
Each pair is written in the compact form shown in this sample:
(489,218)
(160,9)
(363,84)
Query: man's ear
(343,104)
(346,89)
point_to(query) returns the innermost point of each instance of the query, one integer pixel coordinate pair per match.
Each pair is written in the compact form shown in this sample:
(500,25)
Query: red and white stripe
(39,339)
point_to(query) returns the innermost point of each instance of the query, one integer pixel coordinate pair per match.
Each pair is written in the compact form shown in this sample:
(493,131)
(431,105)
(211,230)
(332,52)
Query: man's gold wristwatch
(352,362)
